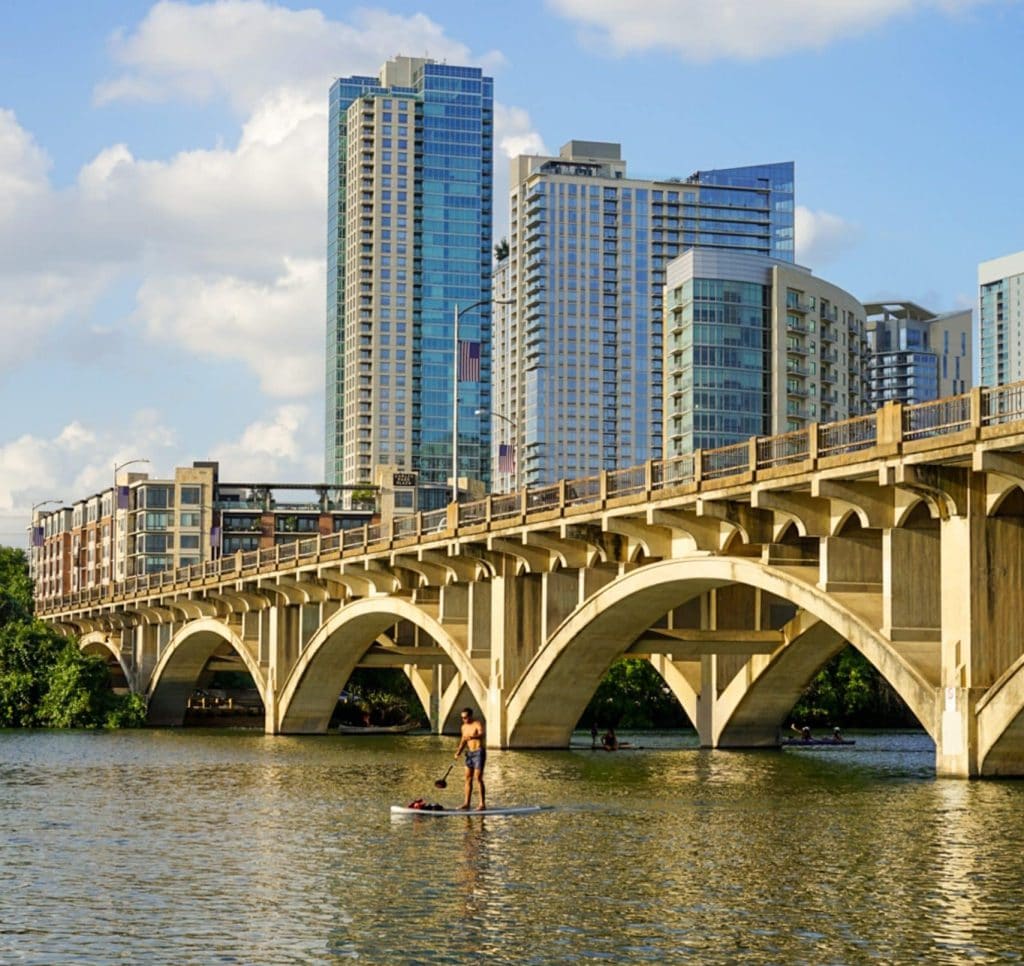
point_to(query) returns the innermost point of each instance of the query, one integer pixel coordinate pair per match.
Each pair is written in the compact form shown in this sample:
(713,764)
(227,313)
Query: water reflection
(241,848)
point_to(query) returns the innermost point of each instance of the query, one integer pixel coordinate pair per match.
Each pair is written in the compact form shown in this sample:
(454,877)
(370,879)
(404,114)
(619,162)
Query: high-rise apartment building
(753,347)
(1001,319)
(578,357)
(409,239)
(916,355)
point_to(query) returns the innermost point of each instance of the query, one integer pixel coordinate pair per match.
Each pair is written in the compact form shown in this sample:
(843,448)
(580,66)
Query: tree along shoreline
(45,679)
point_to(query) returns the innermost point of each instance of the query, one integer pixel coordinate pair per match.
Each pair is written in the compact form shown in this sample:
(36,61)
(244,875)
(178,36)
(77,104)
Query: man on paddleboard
(476,755)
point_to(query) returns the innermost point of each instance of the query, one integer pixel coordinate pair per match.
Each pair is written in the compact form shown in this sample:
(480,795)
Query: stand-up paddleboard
(448,812)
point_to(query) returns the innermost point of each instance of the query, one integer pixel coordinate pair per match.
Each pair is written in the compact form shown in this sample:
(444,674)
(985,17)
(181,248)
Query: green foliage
(848,691)
(45,680)
(501,250)
(379,696)
(15,586)
(633,695)
(29,650)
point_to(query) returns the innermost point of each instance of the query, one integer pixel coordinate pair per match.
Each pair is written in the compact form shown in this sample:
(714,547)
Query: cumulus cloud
(286,446)
(239,224)
(216,251)
(822,237)
(240,49)
(275,328)
(704,30)
(76,461)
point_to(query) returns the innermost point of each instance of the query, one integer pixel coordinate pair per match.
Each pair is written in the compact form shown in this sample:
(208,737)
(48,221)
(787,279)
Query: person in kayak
(476,755)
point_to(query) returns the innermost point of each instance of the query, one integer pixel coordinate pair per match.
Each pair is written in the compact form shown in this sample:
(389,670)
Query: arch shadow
(183,660)
(328,660)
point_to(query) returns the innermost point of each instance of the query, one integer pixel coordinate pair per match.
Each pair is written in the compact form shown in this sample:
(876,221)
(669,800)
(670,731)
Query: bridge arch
(98,643)
(328,660)
(181,663)
(546,702)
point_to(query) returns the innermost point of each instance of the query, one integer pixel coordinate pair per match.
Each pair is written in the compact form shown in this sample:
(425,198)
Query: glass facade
(748,208)
(720,350)
(913,358)
(409,241)
(588,253)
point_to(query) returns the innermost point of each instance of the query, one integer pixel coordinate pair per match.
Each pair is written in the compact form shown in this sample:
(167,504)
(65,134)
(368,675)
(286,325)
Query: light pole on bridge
(456,370)
(115,506)
(515,441)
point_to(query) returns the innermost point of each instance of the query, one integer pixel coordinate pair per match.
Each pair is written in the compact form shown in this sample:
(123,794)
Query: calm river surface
(231,847)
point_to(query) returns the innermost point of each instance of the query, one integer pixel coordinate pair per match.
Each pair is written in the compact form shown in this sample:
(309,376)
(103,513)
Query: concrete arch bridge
(736,572)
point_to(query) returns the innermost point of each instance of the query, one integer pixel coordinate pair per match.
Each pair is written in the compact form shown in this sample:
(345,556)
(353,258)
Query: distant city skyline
(163,185)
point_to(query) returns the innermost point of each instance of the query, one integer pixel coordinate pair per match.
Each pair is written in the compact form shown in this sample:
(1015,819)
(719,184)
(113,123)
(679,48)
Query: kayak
(816,742)
(448,812)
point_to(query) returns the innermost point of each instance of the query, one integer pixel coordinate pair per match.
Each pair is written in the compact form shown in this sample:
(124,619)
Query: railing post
(812,444)
(977,415)
(602,487)
(889,428)
(561,496)
(490,508)
(649,477)
(752,457)
(453,516)
(698,466)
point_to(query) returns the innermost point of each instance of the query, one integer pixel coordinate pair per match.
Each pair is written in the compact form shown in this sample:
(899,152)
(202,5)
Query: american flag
(469,361)
(506,458)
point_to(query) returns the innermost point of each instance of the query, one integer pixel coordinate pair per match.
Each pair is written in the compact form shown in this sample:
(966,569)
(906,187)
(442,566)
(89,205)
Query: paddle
(441,783)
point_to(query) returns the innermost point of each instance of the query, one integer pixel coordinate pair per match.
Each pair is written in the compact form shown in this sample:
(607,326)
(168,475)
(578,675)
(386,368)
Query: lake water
(233,847)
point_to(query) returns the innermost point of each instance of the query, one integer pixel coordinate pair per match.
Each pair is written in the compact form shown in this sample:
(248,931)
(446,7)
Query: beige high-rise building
(1001,319)
(755,347)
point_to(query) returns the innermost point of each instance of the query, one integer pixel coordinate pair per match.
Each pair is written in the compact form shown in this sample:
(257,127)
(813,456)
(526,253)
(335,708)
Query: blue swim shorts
(476,759)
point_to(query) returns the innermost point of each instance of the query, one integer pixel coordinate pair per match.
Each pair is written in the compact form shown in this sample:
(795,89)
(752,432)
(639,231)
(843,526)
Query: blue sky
(163,183)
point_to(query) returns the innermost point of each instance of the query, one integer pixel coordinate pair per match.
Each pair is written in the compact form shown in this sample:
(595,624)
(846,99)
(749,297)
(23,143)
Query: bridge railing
(674,471)
(937,418)
(627,482)
(725,461)
(1002,404)
(847,436)
(586,490)
(893,424)
(794,447)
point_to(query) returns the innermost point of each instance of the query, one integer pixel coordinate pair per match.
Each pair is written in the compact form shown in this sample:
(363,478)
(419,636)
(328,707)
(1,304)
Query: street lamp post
(459,313)
(113,519)
(35,533)
(515,439)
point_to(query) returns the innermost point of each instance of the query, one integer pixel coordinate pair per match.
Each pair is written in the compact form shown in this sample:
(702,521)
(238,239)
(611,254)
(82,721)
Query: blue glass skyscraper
(409,239)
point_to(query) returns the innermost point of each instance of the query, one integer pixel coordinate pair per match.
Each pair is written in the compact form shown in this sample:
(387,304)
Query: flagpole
(455,384)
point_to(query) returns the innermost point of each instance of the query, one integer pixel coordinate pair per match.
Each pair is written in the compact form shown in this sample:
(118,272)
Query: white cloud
(240,49)
(238,225)
(77,461)
(275,328)
(704,30)
(284,447)
(822,237)
(514,134)
(213,251)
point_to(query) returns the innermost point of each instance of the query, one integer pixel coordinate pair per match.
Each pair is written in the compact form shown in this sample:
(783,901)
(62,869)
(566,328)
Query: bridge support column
(517,622)
(278,650)
(982,626)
